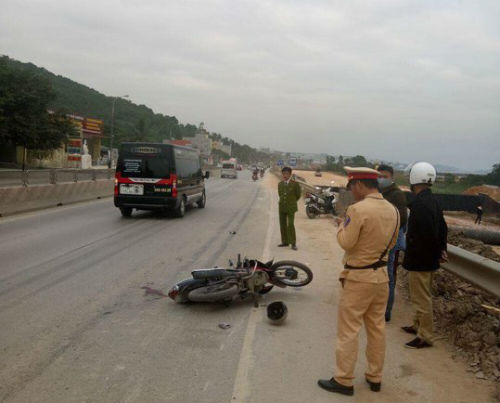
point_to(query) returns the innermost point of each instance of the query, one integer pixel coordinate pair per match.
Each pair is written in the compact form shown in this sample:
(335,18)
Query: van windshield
(139,166)
(228,166)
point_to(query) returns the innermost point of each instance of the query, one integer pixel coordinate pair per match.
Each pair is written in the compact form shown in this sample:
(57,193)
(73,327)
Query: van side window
(187,164)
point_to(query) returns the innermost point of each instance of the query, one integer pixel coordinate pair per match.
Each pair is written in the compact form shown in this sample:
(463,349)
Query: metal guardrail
(482,272)
(51,176)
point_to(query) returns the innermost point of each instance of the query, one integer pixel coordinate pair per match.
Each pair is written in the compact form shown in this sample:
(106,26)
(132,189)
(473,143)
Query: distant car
(229,170)
(317,173)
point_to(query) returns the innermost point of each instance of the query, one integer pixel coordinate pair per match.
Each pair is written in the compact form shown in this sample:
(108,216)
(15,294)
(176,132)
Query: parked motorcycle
(323,202)
(249,278)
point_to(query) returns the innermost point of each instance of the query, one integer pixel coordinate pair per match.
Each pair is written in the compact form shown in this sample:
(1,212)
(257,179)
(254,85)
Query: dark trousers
(391,270)
(287,227)
(478,219)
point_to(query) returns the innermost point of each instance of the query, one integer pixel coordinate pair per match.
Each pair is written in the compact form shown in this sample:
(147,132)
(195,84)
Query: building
(88,131)
(202,142)
(181,142)
(218,145)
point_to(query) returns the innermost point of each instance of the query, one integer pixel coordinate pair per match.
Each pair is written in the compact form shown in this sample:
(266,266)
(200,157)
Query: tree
(449,179)
(493,178)
(357,161)
(330,163)
(25,119)
(141,132)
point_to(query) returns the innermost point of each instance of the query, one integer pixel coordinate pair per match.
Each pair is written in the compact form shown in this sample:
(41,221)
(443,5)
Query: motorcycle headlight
(174,292)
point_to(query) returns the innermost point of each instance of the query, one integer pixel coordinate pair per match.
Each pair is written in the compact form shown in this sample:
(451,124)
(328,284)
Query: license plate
(126,189)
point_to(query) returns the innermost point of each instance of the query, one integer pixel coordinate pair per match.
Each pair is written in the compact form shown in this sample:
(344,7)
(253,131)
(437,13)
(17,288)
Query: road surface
(77,327)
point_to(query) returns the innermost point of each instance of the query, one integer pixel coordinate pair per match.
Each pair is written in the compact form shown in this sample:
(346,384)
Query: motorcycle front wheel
(291,273)
(310,212)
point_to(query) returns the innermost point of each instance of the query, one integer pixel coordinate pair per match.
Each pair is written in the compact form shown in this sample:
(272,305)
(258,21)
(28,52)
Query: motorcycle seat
(211,273)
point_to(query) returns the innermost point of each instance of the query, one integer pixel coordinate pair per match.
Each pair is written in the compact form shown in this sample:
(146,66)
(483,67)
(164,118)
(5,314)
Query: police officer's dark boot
(294,247)
(374,386)
(331,385)
(282,245)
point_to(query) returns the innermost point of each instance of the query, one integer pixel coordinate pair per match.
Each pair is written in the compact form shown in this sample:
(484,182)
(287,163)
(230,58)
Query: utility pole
(110,162)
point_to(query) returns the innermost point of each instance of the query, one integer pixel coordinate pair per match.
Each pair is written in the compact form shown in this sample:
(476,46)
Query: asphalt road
(75,325)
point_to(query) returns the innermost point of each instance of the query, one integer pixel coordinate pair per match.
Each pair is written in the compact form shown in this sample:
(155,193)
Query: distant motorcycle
(249,278)
(255,176)
(262,173)
(323,202)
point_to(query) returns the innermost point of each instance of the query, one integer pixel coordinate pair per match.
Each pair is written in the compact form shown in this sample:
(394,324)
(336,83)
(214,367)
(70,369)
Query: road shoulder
(287,360)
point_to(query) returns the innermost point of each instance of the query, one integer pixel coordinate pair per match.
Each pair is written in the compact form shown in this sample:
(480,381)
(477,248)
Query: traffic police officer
(368,232)
(289,194)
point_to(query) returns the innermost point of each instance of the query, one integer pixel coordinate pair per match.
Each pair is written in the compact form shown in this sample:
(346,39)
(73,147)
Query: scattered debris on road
(224,325)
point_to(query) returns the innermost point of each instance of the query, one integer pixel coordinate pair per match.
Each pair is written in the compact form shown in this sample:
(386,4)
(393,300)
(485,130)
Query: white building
(202,142)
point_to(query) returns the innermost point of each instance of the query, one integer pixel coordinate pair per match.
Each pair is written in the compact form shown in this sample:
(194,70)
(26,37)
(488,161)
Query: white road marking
(241,387)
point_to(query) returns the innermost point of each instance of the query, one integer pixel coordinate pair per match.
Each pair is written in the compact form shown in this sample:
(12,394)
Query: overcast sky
(396,80)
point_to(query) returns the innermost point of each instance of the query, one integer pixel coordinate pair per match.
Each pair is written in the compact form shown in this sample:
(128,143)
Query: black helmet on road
(277,312)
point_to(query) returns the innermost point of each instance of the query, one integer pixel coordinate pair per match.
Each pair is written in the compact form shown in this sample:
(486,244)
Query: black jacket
(427,233)
(396,196)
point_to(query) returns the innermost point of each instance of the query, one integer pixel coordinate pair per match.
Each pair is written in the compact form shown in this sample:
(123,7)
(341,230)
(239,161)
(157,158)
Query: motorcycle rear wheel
(304,274)
(310,212)
(213,293)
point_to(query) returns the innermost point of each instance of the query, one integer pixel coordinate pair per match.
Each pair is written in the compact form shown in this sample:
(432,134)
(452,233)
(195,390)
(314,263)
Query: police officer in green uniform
(289,193)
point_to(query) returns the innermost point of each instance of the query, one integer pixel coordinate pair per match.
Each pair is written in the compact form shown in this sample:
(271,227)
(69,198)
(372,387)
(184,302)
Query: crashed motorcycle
(323,202)
(248,278)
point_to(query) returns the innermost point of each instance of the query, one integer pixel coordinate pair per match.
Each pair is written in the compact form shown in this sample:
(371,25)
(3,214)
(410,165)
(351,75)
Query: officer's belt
(379,263)
(373,266)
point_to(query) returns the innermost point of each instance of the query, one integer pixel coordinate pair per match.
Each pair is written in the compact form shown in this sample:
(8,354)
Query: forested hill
(132,122)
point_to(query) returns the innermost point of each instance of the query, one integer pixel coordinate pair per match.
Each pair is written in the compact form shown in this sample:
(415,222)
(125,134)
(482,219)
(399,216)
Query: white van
(229,170)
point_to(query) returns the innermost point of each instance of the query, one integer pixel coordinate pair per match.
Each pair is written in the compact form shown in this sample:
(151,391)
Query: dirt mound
(492,191)
(458,238)
(461,313)
(461,317)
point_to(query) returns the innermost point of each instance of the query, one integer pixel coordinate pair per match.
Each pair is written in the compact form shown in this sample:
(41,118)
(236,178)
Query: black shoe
(387,317)
(282,245)
(331,385)
(374,386)
(417,343)
(294,247)
(409,329)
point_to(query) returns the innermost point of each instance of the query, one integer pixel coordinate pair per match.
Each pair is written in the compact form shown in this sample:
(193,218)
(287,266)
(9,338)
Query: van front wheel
(180,210)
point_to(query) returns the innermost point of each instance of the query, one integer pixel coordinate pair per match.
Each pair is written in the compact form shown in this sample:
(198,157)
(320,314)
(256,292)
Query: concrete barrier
(17,199)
